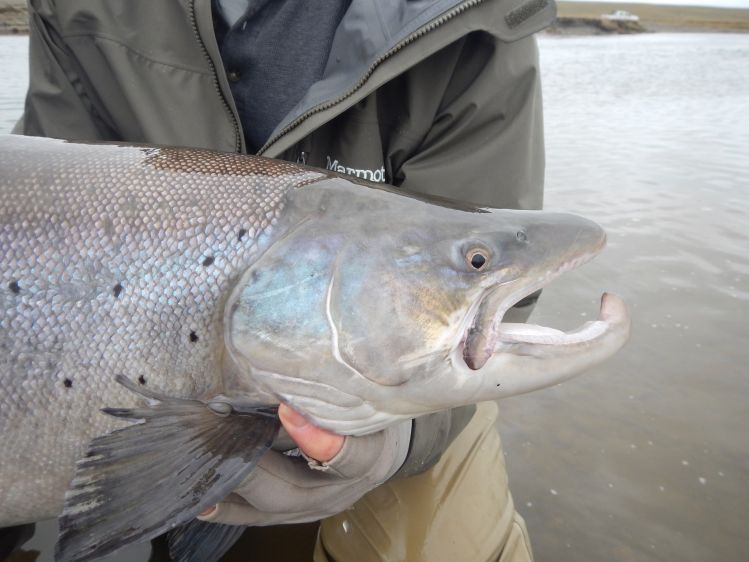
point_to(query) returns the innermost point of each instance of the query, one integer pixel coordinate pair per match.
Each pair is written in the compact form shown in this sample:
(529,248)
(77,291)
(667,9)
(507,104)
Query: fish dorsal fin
(180,458)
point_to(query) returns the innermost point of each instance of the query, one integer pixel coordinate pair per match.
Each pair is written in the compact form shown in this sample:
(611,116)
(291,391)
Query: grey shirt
(273,52)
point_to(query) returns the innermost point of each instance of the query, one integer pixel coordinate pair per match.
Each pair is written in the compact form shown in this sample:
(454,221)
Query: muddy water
(13,62)
(646,458)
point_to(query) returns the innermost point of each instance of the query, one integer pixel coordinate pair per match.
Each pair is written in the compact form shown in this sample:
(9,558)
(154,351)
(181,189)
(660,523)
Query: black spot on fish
(14,287)
(68,383)
(193,337)
(241,234)
(498,384)
(142,379)
(208,261)
(117,290)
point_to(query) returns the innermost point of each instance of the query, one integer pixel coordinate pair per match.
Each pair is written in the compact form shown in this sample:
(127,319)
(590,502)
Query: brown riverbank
(593,26)
(584,18)
(575,18)
(13,17)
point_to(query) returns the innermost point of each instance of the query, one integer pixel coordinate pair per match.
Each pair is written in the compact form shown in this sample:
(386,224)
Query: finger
(317,443)
(282,484)
(234,513)
(374,457)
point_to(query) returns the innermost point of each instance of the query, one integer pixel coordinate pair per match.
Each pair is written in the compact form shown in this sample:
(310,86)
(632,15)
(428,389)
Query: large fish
(187,292)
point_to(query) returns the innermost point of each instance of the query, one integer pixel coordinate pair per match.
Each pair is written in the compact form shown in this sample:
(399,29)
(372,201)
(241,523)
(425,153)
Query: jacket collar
(371,30)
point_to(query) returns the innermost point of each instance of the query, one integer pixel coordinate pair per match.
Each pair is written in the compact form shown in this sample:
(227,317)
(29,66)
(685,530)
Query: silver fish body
(115,260)
(230,278)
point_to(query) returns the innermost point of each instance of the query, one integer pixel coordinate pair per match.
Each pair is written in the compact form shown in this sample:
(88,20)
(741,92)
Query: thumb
(317,443)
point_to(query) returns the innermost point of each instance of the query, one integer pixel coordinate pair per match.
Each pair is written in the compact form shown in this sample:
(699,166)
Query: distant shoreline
(584,18)
(592,26)
(575,18)
(565,26)
(13,18)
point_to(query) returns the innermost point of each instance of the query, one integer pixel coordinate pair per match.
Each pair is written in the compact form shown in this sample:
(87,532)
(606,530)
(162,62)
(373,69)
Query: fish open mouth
(488,334)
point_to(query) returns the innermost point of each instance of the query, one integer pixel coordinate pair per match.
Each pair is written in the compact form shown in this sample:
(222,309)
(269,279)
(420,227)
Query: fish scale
(93,218)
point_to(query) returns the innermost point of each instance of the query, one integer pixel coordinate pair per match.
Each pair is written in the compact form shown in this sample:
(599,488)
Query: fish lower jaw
(612,312)
(529,339)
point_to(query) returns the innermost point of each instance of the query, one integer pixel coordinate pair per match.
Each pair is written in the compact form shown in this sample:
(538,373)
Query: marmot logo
(369,175)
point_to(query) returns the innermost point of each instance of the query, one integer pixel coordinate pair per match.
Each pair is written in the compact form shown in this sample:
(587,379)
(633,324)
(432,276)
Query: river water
(647,457)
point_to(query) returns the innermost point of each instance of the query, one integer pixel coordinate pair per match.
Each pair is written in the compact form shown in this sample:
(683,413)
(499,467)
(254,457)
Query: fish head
(394,308)
(406,300)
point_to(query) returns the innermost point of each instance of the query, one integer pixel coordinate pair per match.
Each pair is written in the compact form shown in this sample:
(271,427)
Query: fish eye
(477,258)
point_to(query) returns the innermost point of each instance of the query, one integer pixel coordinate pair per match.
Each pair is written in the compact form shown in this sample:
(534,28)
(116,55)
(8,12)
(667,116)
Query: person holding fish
(440,98)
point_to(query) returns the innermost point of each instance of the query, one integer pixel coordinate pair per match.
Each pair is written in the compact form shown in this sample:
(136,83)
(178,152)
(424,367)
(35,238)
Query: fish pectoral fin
(135,483)
(200,541)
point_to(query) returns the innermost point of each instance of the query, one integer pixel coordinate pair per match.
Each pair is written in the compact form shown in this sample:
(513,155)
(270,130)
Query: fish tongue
(136,483)
(528,333)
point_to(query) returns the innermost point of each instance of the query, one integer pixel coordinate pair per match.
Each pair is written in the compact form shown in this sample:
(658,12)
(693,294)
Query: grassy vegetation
(653,16)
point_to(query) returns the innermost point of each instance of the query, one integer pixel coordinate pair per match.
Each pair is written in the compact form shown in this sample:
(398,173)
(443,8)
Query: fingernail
(292,417)
(208,511)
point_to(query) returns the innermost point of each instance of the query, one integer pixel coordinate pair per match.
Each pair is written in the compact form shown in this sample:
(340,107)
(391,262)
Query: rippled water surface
(647,458)
(13,62)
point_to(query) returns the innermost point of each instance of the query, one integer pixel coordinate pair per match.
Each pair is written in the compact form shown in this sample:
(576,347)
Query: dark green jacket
(435,96)
(443,95)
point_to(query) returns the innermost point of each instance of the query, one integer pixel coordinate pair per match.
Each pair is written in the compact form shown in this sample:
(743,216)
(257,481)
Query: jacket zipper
(214,74)
(431,26)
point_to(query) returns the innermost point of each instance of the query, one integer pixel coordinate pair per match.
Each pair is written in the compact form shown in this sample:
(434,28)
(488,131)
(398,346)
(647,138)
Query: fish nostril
(521,236)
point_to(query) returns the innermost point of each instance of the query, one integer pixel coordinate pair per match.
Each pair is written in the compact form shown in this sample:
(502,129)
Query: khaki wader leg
(459,510)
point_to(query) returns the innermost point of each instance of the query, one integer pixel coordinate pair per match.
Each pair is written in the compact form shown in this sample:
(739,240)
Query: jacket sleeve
(56,103)
(484,141)
(484,146)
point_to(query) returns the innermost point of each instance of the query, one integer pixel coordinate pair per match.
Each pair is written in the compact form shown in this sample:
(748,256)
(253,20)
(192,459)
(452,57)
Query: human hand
(337,472)
(315,442)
